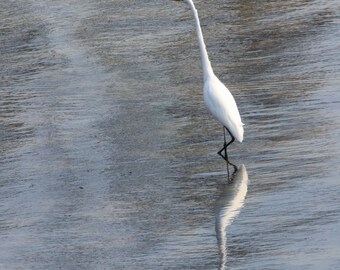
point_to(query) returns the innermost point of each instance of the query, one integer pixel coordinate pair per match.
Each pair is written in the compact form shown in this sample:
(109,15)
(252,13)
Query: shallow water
(108,156)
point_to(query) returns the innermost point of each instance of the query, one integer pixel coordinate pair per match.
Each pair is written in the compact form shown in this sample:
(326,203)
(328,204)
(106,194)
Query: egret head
(185,1)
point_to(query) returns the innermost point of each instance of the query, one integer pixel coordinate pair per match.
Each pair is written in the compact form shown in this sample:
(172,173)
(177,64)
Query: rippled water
(108,156)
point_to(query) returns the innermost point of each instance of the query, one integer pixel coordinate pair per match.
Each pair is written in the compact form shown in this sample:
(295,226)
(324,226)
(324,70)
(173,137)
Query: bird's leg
(225,156)
(231,141)
(232,138)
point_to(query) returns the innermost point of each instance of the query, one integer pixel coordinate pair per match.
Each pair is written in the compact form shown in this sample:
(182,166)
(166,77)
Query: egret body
(217,97)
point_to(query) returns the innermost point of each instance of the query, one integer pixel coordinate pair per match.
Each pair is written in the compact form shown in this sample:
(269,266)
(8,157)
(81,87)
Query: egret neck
(206,65)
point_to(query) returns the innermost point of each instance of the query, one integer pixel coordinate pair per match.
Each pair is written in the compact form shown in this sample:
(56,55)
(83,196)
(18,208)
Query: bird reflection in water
(235,169)
(227,208)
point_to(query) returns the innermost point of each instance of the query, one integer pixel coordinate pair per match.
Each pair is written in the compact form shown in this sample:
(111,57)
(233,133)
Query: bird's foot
(224,155)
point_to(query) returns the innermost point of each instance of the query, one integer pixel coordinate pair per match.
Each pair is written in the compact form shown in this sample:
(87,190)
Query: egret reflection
(227,208)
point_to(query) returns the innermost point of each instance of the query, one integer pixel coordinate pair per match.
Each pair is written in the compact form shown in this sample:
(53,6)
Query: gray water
(108,155)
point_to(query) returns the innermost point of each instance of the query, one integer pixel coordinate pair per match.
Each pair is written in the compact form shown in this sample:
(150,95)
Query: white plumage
(222,105)
(217,97)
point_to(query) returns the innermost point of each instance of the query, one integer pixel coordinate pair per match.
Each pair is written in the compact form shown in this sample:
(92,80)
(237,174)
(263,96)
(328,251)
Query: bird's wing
(222,105)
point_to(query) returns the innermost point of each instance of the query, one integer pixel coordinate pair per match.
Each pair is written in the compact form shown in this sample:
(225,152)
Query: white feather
(222,105)
(217,97)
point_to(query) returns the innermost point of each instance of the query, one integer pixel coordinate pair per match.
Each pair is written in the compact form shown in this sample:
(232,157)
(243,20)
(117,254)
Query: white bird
(217,97)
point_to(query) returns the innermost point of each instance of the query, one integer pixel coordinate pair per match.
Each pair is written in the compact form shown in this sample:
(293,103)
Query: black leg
(225,156)
(232,137)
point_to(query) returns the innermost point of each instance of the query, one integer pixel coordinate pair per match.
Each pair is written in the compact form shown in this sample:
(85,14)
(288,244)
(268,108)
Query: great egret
(217,97)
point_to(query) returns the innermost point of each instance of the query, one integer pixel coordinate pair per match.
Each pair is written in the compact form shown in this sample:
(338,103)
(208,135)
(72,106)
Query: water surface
(108,156)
